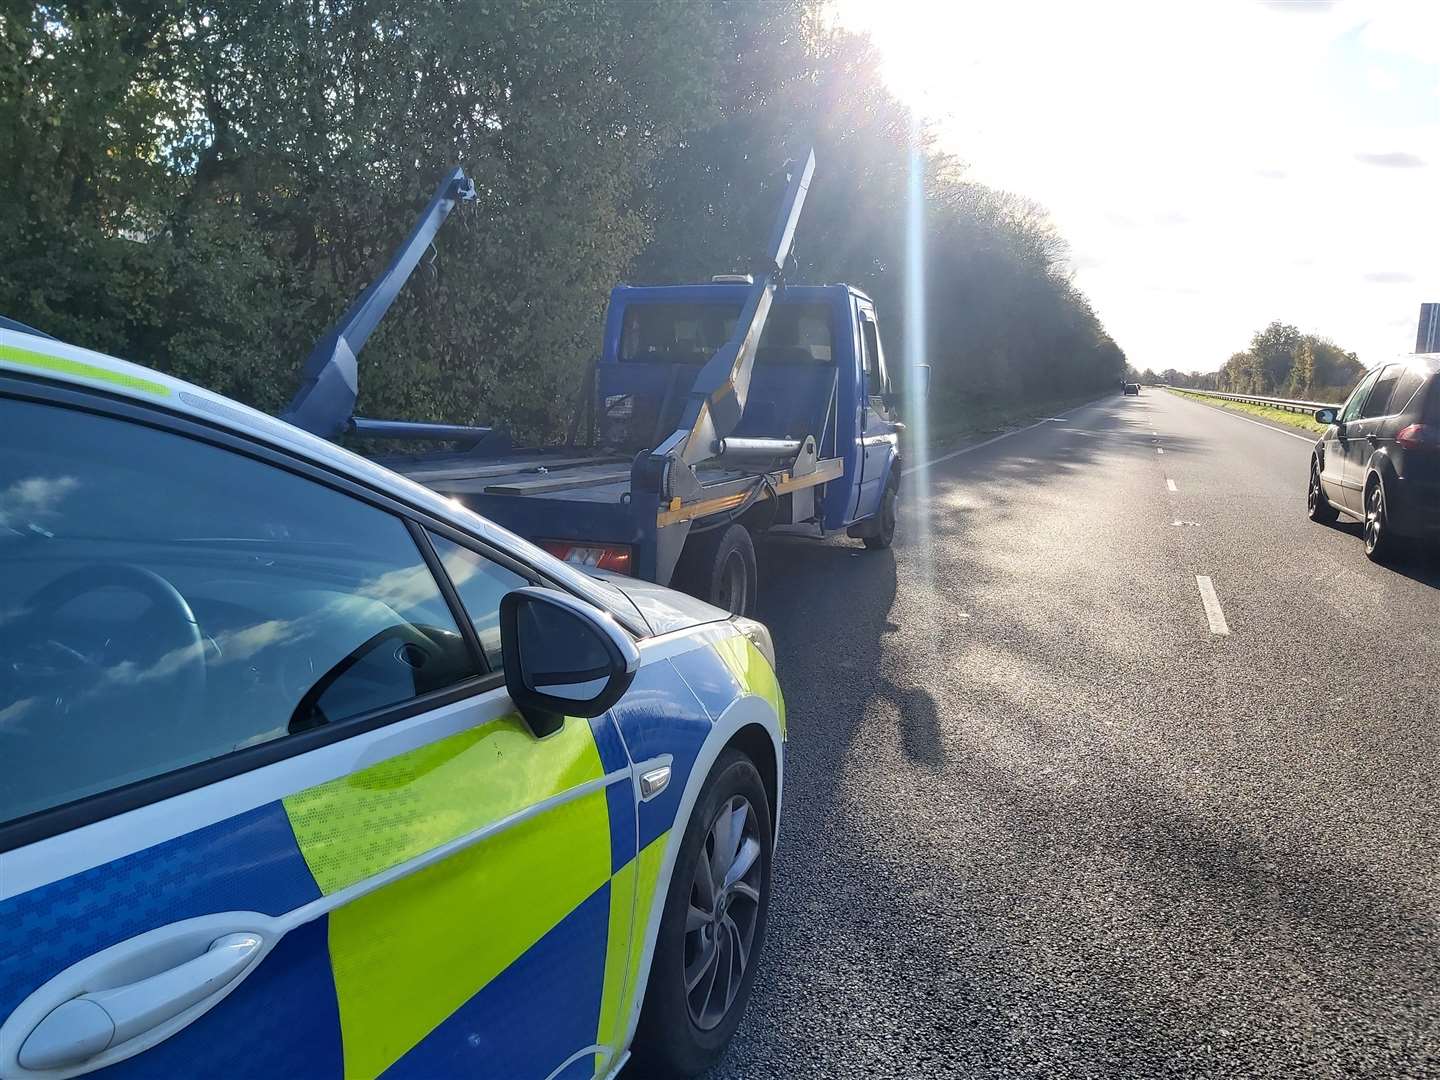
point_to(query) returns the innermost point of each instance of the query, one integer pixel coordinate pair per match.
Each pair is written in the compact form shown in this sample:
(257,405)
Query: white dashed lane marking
(1213,611)
(1170,483)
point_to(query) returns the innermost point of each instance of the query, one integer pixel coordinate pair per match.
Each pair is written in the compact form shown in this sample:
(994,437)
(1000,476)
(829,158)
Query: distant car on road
(1379,462)
(306,770)
(1132,388)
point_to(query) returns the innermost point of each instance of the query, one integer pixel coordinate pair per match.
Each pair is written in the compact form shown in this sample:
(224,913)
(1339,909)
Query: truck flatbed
(604,479)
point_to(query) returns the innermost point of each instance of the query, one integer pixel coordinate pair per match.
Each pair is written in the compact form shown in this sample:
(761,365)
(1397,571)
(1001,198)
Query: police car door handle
(84,1026)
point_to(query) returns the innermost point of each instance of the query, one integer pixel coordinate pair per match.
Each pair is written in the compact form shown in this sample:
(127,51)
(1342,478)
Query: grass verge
(1300,421)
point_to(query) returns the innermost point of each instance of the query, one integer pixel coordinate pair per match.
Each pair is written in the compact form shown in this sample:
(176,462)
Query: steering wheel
(176,670)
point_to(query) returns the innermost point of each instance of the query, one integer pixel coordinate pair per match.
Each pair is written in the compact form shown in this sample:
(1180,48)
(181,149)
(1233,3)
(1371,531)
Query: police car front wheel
(713,926)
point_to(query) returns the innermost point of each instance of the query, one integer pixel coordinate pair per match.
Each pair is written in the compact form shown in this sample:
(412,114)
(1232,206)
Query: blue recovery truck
(714,411)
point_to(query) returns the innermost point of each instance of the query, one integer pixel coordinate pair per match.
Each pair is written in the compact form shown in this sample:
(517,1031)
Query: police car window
(164,602)
(481,583)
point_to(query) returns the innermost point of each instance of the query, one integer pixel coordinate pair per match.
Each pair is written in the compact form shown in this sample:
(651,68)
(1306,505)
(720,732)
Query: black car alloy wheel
(1377,525)
(1317,505)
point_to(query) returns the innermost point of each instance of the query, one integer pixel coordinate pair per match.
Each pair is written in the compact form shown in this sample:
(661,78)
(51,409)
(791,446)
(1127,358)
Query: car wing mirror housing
(562,657)
(1325,416)
(921,377)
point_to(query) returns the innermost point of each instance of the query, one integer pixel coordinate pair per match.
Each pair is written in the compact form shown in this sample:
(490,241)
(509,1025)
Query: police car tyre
(719,568)
(713,927)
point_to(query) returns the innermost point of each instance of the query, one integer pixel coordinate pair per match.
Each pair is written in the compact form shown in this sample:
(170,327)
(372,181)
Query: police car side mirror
(562,657)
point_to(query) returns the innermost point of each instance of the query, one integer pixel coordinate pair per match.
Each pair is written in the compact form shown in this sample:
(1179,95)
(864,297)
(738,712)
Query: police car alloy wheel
(713,927)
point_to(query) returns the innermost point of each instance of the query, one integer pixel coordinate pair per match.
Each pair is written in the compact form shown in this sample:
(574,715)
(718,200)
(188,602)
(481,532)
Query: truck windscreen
(671,333)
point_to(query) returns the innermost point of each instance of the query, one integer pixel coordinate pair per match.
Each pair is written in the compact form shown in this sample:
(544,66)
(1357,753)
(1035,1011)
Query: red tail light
(1417,435)
(614,557)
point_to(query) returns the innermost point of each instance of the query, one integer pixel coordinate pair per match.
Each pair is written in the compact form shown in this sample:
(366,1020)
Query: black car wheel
(713,926)
(1381,543)
(1317,504)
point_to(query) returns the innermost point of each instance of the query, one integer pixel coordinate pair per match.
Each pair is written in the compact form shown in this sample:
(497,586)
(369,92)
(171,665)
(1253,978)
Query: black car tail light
(1417,435)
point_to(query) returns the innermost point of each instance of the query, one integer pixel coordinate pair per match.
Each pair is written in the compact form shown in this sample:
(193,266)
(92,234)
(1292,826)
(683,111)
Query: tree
(1273,350)
(1282,361)
(203,186)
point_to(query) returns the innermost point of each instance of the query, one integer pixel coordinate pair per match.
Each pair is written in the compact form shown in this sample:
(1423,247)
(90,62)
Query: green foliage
(202,187)
(1283,362)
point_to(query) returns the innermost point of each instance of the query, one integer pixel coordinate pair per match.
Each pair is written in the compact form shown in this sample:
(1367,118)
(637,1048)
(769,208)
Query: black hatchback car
(1379,462)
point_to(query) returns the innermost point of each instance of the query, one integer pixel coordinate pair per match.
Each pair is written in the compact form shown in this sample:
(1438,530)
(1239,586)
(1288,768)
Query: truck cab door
(879,431)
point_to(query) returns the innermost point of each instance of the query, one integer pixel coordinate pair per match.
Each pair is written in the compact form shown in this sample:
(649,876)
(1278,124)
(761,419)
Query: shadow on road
(995,863)
(1420,563)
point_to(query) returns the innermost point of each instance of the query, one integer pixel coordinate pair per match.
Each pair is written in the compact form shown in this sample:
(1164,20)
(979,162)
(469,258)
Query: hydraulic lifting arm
(325,402)
(717,401)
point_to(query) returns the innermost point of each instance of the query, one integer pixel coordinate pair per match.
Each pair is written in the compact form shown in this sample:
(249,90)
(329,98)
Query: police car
(306,771)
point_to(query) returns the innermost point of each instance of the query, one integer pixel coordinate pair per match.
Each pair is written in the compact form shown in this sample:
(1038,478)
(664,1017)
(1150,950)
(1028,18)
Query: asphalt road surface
(1042,820)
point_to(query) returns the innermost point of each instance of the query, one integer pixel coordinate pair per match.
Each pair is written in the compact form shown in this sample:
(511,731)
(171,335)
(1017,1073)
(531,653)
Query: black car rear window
(1403,399)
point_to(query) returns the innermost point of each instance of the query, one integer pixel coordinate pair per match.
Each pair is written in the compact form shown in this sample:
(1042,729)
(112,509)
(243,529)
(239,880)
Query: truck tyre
(711,934)
(884,534)
(719,567)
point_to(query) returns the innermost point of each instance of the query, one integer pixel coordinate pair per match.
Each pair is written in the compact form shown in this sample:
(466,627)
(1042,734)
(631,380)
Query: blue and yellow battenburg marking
(561,898)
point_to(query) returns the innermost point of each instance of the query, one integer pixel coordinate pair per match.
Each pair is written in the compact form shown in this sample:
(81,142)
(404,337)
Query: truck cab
(819,371)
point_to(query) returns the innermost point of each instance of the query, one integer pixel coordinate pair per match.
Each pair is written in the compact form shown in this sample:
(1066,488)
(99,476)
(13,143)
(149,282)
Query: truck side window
(874,376)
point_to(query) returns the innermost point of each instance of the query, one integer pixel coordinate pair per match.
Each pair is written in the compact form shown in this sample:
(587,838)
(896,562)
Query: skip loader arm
(717,400)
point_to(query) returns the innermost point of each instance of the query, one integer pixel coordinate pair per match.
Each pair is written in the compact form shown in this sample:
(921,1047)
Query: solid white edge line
(919,465)
(1213,612)
(1170,484)
(1311,439)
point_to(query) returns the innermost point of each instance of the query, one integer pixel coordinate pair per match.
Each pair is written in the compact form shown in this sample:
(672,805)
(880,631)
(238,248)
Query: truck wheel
(884,534)
(719,568)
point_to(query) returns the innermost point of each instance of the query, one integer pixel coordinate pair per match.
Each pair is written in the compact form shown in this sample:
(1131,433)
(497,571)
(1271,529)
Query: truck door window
(874,373)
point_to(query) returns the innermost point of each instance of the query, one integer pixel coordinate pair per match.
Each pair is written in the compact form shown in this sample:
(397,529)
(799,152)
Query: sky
(1213,166)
